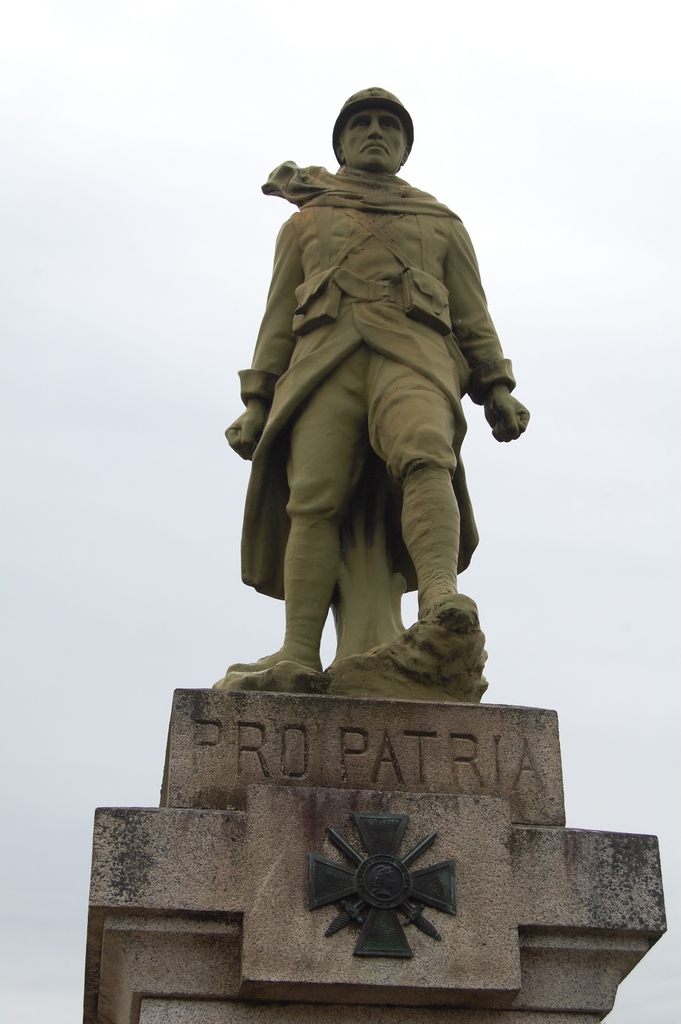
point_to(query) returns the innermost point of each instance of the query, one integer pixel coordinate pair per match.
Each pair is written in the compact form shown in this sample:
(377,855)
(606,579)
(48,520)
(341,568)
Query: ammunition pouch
(318,302)
(426,299)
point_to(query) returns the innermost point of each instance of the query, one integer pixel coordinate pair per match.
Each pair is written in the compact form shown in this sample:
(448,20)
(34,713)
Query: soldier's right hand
(244,433)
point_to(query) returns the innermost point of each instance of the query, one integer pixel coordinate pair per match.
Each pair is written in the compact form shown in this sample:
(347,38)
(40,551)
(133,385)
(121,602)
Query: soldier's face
(374,140)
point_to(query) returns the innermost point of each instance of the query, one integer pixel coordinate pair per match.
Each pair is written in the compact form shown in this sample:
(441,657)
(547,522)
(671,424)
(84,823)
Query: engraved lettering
(294,751)
(386,755)
(465,755)
(350,746)
(497,741)
(422,760)
(207,733)
(529,766)
(251,745)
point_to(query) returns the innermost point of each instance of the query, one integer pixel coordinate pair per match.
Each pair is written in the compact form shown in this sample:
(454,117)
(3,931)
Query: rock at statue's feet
(276,672)
(441,657)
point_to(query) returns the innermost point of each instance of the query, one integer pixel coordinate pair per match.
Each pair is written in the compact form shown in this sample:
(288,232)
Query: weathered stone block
(175,956)
(285,953)
(220,742)
(156,1011)
(573,878)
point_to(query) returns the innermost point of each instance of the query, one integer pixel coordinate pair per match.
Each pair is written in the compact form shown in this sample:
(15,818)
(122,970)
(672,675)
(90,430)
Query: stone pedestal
(199,910)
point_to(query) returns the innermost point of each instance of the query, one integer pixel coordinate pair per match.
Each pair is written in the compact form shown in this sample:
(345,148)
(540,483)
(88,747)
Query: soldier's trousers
(368,401)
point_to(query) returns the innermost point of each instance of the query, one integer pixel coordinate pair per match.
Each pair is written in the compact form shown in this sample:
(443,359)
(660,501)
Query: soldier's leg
(412,428)
(327,452)
(328,447)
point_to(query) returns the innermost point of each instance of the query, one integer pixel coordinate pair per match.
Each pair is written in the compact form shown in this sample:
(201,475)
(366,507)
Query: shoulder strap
(384,239)
(324,224)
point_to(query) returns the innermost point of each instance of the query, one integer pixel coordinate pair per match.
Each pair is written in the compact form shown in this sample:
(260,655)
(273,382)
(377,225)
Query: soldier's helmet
(375,97)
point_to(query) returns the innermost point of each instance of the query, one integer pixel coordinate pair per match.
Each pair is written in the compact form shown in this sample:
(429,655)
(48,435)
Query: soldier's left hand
(507,417)
(244,433)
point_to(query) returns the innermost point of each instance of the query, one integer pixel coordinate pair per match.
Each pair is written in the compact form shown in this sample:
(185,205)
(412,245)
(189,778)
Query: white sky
(138,255)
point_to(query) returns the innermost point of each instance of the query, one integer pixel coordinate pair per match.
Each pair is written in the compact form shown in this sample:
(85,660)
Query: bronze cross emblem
(380,885)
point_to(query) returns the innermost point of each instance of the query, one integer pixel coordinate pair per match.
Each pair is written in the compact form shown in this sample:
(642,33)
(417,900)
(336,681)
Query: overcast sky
(138,254)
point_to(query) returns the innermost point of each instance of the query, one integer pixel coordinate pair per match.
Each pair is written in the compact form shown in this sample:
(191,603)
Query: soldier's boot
(311,567)
(430,528)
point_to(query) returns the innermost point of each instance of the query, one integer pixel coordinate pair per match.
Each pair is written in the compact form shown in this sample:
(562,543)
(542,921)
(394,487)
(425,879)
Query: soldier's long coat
(335,211)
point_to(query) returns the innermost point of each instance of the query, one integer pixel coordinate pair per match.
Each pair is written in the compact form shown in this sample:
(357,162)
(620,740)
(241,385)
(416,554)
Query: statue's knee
(423,449)
(319,502)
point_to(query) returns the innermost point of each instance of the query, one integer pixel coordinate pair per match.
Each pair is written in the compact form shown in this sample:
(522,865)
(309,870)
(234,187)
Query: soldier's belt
(369,291)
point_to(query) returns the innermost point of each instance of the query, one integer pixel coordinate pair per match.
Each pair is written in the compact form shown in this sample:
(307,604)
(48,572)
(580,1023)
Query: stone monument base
(428,839)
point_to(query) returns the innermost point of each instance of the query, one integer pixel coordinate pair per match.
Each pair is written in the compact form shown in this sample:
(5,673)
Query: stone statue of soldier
(376,324)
